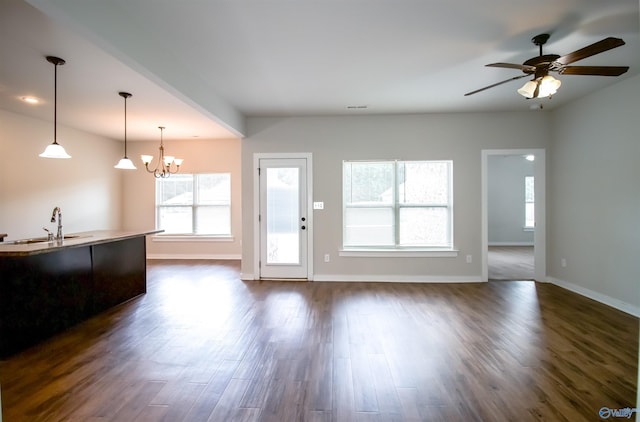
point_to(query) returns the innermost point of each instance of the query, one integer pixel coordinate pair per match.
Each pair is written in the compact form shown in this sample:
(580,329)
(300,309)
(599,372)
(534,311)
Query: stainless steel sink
(40,240)
(28,241)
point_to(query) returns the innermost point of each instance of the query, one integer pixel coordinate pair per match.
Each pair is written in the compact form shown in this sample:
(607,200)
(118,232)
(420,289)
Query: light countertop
(74,240)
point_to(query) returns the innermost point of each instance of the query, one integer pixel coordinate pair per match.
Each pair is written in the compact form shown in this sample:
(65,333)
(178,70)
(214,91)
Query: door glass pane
(283,215)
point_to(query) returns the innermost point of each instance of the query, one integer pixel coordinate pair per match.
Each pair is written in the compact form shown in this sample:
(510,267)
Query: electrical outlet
(469,259)
(318,205)
(327,257)
(563,262)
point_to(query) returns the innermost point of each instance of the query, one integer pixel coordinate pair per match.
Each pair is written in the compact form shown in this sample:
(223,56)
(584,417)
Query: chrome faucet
(56,210)
(49,234)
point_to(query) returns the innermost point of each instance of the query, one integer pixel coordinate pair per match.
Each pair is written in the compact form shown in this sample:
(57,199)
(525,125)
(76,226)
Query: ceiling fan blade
(523,67)
(590,50)
(594,70)
(491,86)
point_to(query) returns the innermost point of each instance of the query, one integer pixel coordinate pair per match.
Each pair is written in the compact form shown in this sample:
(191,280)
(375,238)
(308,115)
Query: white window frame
(194,206)
(396,249)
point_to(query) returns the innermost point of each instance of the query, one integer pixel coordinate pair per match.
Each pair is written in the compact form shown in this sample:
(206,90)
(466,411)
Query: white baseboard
(194,256)
(397,278)
(383,278)
(598,297)
(510,243)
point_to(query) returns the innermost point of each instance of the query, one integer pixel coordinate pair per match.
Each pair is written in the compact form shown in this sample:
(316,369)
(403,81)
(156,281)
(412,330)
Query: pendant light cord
(55,102)
(125,127)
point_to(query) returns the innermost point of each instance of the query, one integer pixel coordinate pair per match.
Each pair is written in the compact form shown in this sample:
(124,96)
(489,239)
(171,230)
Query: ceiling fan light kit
(540,88)
(544,85)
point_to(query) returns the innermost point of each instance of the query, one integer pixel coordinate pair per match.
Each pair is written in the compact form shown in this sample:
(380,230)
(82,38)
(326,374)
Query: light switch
(318,205)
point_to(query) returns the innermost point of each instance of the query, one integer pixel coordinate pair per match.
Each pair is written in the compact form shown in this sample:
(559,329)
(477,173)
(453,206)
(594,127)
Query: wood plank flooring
(509,263)
(202,345)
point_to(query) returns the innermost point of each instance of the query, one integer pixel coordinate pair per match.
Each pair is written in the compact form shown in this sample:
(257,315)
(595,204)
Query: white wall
(459,137)
(86,187)
(594,196)
(505,199)
(200,156)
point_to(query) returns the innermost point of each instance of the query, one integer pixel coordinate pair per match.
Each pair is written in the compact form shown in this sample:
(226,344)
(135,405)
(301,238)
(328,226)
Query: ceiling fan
(545,85)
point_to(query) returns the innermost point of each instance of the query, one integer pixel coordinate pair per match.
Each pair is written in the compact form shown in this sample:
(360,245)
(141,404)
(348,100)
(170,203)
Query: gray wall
(458,137)
(505,199)
(594,196)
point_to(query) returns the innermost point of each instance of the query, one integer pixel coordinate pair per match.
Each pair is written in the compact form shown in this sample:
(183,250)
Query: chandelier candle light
(55,150)
(164,166)
(125,163)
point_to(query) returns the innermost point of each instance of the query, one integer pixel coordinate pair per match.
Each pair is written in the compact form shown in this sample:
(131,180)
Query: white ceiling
(199,67)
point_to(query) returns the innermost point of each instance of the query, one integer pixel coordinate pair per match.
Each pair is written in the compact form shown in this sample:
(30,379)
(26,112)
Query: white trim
(398,253)
(598,297)
(193,256)
(539,235)
(511,244)
(191,238)
(397,278)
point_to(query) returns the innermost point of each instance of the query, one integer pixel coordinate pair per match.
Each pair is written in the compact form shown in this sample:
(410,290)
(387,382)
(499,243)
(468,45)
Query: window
(529,203)
(194,204)
(397,204)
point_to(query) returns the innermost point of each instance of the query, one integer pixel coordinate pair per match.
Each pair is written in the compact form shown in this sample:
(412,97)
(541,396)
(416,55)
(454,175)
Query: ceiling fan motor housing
(540,63)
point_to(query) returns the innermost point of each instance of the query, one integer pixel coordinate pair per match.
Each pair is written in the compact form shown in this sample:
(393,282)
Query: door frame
(256,207)
(539,236)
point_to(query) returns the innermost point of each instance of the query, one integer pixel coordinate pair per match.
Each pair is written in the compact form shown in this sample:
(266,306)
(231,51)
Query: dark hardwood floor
(511,263)
(202,345)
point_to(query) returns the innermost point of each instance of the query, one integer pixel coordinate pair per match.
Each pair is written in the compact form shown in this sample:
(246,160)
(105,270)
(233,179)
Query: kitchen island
(49,286)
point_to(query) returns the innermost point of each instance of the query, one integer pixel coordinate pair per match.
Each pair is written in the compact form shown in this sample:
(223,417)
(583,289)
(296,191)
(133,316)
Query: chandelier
(164,167)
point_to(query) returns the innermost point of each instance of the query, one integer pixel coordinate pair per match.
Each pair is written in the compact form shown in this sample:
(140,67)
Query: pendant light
(55,150)
(125,163)
(164,166)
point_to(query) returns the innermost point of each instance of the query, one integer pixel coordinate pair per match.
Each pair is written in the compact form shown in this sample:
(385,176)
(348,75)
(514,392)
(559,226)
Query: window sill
(528,229)
(191,238)
(399,253)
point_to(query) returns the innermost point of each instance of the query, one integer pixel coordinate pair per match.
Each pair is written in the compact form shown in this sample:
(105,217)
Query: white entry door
(283,219)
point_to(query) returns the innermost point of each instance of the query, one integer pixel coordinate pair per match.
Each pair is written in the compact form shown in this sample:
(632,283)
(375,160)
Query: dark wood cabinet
(44,294)
(119,272)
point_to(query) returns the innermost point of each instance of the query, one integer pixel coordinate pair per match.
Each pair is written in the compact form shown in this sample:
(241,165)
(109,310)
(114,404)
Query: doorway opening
(513,220)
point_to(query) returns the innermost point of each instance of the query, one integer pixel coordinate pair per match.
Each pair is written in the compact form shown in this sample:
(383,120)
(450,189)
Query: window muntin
(197,204)
(397,204)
